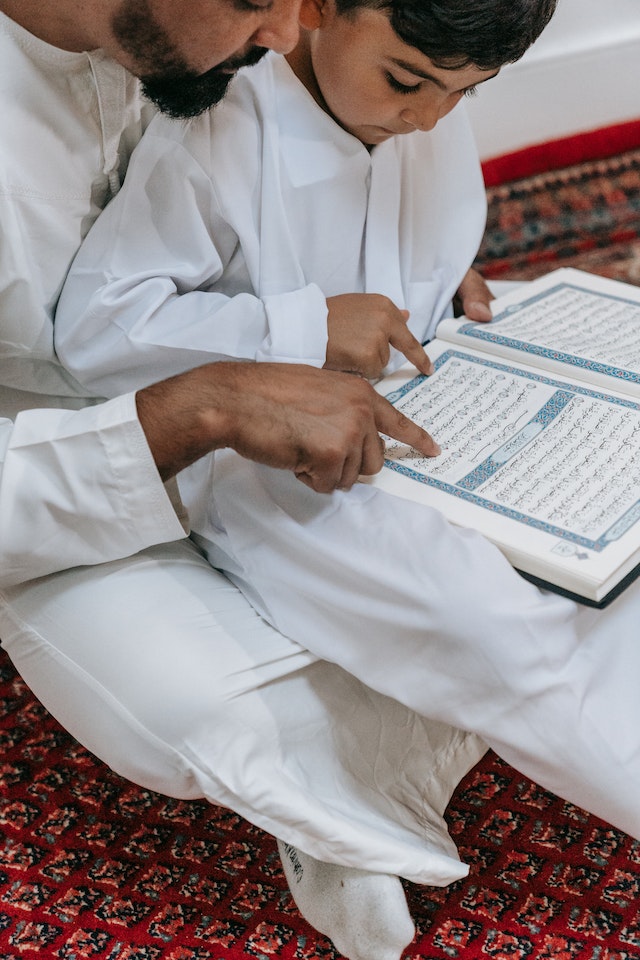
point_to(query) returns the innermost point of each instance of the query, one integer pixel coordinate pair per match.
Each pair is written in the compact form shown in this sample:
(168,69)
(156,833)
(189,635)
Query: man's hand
(362,327)
(473,297)
(322,425)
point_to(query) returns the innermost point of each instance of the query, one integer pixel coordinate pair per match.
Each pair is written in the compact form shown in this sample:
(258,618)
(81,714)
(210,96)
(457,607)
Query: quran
(538,416)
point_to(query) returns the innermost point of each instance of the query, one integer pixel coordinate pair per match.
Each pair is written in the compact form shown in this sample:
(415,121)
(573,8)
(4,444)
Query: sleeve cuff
(297,327)
(152,508)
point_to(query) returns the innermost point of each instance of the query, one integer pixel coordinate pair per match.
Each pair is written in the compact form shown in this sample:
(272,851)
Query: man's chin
(184,95)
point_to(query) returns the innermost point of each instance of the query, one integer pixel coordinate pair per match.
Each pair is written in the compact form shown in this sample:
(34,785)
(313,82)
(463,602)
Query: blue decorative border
(486,333)
(465,489)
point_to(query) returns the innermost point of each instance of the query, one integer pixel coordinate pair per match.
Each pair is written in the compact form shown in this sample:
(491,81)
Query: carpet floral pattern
(586,216)
(94,867)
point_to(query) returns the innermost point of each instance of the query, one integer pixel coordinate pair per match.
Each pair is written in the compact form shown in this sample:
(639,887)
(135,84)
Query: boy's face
(375,85)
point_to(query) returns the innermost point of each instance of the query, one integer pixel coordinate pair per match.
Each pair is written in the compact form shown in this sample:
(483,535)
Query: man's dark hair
(458,33)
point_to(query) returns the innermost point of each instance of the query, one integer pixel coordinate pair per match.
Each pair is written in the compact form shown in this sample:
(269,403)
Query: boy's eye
(401,87)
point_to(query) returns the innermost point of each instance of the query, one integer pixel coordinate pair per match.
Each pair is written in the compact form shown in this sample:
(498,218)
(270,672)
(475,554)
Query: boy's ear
(311,14)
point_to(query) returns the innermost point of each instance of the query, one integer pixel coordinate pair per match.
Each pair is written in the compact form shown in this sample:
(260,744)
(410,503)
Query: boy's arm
(163,282)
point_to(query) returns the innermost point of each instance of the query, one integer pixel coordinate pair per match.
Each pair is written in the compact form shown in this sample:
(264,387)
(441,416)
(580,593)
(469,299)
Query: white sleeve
(79,487)
(159,285)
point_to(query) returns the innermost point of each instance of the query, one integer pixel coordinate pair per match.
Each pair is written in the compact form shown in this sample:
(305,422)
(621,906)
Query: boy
(298,239)
(429,615)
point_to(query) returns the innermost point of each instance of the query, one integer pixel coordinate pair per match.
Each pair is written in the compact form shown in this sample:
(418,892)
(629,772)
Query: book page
(554,458)
(588,325)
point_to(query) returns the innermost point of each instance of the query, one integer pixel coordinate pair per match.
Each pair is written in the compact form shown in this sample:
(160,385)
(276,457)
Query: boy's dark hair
(458,33)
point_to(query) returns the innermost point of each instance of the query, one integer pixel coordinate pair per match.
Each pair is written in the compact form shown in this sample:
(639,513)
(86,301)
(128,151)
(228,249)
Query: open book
(538,417)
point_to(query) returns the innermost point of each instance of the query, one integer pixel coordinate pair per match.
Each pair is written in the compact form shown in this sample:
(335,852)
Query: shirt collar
(314,147)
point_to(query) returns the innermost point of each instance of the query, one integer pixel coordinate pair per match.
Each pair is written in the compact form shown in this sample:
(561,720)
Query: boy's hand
(473,297)
(362,327)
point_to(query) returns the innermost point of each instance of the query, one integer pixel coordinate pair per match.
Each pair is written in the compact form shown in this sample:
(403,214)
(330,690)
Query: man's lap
(161,667)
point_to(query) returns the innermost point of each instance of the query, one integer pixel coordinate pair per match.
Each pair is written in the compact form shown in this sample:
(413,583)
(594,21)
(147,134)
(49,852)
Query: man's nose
(281,28)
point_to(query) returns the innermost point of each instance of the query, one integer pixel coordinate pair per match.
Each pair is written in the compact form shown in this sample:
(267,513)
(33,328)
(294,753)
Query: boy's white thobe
(233,229)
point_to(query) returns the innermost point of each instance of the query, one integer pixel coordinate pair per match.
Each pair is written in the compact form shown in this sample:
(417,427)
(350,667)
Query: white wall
(582,74)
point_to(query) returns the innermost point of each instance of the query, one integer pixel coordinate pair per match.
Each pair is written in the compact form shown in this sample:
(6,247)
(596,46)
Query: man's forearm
(320,424)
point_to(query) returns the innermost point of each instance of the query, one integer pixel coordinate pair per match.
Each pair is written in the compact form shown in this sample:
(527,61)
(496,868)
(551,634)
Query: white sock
(364,914)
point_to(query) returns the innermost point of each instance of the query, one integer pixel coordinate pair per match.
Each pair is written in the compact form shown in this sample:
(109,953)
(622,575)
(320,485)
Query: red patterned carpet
(585,216)
(93,867)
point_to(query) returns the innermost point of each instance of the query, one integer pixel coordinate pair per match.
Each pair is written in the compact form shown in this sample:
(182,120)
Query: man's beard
(182,93)
(166,79)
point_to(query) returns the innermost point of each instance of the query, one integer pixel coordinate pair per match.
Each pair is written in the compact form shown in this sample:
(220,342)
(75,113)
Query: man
(127,653)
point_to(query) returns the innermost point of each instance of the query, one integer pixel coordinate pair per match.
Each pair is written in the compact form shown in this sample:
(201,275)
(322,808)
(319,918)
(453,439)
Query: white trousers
(160,667)
(434,617)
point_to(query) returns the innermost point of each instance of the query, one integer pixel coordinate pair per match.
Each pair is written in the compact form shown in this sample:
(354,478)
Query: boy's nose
(423,118)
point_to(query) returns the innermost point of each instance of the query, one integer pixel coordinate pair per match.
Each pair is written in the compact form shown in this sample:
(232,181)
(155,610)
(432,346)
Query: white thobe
(75,487)
(425,613)
(233,229)
(156,662)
